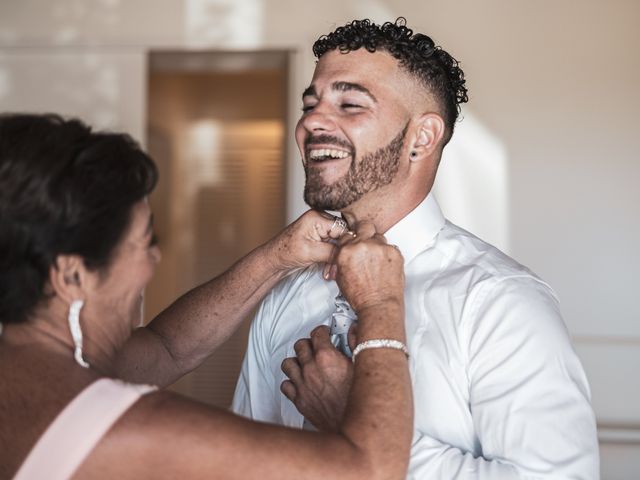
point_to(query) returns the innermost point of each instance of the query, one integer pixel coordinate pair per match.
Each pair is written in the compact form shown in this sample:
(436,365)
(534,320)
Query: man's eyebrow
(346,86)
(310,91)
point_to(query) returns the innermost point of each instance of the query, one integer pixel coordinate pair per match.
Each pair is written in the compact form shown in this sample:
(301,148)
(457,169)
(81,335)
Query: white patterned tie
(341,321)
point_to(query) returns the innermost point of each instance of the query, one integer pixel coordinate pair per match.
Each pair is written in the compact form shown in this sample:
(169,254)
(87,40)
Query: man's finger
(303,350)
(289,390)
(320,337)
(291,369)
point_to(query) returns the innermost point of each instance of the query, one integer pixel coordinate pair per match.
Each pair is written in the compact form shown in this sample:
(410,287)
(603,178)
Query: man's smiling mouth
(322,154)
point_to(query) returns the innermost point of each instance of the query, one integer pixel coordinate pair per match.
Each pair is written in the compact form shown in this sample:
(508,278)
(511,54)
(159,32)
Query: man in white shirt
(498,389)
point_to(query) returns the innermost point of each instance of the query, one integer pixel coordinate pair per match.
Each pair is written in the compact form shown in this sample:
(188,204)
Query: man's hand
(319,380)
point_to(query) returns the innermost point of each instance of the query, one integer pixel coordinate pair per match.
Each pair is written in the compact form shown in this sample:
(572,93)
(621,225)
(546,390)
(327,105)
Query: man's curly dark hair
(417,53)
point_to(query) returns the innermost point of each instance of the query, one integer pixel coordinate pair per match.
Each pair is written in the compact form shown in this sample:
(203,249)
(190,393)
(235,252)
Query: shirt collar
(416,230)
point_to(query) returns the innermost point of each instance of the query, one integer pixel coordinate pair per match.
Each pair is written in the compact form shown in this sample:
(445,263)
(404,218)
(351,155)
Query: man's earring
(76,331)
(413,155)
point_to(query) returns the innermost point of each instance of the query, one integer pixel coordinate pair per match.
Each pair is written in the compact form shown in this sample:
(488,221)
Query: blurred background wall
(544,164)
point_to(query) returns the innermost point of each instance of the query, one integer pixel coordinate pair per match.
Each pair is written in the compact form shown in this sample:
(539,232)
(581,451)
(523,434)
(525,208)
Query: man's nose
(318,120)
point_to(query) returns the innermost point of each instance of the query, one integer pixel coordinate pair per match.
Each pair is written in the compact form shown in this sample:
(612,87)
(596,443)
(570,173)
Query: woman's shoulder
(35,390)
(164,434)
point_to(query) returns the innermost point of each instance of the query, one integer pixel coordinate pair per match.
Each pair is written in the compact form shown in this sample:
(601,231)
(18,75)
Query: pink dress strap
(78,429)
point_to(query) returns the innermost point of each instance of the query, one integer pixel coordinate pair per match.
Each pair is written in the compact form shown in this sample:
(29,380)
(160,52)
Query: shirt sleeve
(255,395)
(431,458)
(528,394)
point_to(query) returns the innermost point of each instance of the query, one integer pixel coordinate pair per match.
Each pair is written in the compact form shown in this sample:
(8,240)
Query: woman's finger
(326,271)
(365,230)
(337,228)
(327,226)
(362,231)
(352,336)
(333,271)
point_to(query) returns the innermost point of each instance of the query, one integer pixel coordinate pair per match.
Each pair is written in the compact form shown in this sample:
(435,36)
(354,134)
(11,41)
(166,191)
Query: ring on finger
(339,222)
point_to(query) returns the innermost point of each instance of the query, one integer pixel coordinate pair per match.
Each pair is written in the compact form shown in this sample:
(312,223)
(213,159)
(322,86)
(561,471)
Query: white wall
(557,84)
(553,113)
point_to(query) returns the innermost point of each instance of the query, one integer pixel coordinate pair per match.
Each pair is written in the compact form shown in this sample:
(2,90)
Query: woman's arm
(191,328)
(166,436)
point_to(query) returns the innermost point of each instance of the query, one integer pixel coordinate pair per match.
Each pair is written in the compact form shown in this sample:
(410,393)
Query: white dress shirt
(498,390)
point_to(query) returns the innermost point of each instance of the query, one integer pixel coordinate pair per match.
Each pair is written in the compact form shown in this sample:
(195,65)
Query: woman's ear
(68,276)
(429,136)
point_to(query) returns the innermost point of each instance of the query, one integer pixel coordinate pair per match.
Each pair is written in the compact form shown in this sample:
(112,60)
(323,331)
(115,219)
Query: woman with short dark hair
(76,252)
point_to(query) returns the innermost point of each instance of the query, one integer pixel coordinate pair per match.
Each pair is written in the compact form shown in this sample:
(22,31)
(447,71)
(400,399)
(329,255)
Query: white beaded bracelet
(379,343)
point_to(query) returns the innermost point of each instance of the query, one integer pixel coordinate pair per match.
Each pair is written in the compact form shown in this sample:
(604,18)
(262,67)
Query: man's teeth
(327,152)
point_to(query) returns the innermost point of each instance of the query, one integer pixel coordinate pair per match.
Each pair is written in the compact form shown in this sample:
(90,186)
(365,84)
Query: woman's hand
(308,240)
(370,275)
(369,271)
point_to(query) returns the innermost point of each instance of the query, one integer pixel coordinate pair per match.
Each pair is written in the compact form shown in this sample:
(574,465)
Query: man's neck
(383,215)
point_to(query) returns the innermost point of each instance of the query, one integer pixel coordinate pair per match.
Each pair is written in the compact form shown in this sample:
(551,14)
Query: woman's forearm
(191,328)
(375,425)
(379,415)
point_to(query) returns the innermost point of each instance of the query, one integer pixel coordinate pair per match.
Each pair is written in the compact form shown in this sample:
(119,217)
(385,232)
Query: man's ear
(67,277)
(431,129)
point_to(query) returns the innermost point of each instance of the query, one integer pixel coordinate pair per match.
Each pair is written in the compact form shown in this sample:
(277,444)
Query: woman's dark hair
(417,53)
(63,190)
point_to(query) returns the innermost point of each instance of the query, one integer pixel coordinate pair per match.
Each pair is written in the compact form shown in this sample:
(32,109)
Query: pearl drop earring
(76,331)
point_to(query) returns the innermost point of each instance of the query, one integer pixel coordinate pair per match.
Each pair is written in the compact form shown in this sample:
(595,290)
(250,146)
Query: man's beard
(375,170)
